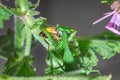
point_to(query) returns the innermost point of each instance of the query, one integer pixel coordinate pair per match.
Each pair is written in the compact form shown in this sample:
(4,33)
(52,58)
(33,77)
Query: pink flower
(114,23)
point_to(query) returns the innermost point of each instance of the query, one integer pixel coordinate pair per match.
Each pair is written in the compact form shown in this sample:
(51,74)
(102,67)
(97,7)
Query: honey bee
(54,33)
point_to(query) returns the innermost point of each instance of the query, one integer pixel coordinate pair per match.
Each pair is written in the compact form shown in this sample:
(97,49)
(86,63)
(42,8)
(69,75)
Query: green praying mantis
(57,39)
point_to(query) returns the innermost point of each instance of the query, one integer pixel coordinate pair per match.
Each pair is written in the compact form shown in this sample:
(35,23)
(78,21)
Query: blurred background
(77,14)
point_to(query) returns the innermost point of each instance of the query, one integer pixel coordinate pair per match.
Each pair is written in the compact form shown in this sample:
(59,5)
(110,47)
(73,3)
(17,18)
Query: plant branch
(28,42)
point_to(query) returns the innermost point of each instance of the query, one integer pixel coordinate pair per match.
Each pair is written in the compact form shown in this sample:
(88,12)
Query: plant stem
(28,42)
(19,39)
(29,22)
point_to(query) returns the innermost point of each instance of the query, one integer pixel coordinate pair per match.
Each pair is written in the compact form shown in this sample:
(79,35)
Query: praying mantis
(57,39)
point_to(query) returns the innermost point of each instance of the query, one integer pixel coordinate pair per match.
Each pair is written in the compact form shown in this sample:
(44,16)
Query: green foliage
(23,67)
(22,6)
(107,1)
(84,52)
(6,45)
(112,43)
(19,60)
(14,66)
(68,56)
(106,45)
(4,15)
(65,78)
(4,77)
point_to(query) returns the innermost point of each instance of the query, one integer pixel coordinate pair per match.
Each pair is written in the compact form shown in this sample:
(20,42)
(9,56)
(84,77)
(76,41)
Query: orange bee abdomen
(54,33)
(52,30)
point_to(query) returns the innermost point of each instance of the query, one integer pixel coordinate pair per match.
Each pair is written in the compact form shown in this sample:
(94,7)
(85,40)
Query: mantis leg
(73,32)
(68,58)
(55,59)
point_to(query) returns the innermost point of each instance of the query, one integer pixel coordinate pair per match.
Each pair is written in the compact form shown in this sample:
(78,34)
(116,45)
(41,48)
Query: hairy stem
(28,42)
(29,22)
(19,39)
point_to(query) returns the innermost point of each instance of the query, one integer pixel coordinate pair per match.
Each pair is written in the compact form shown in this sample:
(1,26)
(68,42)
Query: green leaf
(64,78)
(7,45)
(105,48)
(107,1)
(22,67)
(15,11)
(4,15)
(5,77)
(106,45)
(34,6)
(87,58)
(22,5)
